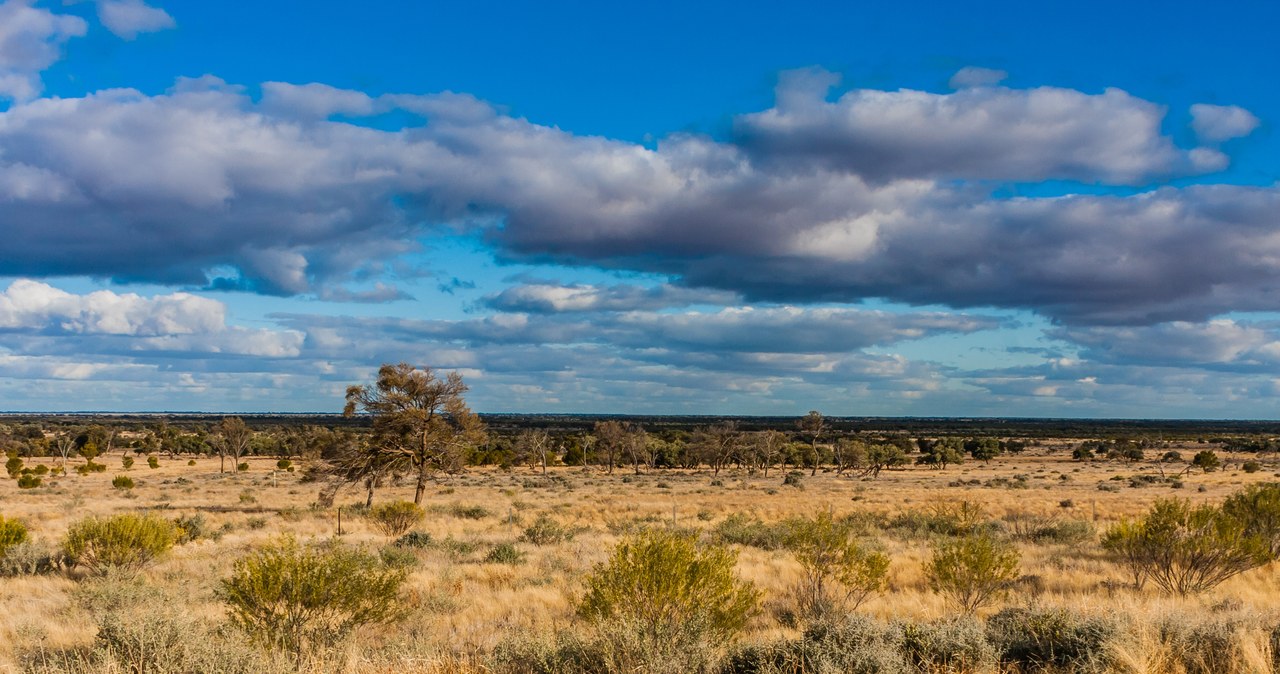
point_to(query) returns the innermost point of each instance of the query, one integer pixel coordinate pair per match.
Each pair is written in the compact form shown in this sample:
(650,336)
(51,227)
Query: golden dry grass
(464,606)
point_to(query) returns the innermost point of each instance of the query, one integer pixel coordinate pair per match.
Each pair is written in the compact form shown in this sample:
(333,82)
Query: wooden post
(339,520)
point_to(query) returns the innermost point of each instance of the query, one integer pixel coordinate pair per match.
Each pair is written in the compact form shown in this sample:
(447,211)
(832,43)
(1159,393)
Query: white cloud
(1217,123)
(31,40)
(128,18)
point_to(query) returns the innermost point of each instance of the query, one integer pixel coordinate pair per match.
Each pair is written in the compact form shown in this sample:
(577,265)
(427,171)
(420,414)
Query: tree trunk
(222,462)
(422,485)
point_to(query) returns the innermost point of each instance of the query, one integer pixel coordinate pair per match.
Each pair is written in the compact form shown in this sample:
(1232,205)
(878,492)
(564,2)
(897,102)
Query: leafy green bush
(972,571)
(546,531)
(122,482)
(395,518)
(1186,549)
(1207,461)
(191,462)
(284,464)
(663,593)
(13,465)
(191,528)
(126,541)
(29,482)
(837,574)
(240,467)
(1257,508)
(126,462)
(12,532)
(414,539)
(504,553)
(1053,639)
(742,529)
(299,598)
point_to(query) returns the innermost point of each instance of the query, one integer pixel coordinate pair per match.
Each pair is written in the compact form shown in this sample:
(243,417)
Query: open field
(463,606)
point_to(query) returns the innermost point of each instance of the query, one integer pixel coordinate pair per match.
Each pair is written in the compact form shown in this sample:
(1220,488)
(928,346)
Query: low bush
(972,571)
(29,559)
(546,531)
(414,539)
(1053,639)
(12,533)
(122,482)
(192,528)
(742,529)
(855,643)
(667,598)
(126,462)
(29,481)
(837,574)
(284,464)
(126,541)
(299,598)
(395,518)
(240,467)
(958,645)
(504,553)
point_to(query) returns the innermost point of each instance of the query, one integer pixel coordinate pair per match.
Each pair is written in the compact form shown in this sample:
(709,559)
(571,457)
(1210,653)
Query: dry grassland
(463,606)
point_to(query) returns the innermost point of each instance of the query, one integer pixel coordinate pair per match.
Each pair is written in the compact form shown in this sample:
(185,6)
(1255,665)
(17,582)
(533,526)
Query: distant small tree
(983,449)
(881,455)
(232,438)
(812,426)
(941,452)
(766,448)
(532,446)
(1207,461)
(973,570)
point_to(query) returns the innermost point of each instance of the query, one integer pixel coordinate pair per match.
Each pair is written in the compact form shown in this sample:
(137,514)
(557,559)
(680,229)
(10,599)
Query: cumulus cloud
(39,319)
(128,18)
(1217,123)
(878,194)
(31,40)
(1220,343)
(980,133)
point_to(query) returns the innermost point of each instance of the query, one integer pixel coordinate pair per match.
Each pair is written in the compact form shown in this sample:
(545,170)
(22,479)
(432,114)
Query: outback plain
(497,564)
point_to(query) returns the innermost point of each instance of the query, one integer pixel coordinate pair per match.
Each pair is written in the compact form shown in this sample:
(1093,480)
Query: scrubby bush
(1186,549)
(122,482)
(972,571)
(395,518)
(504,553)
(127,541)
(191,462)
(126,462)
(958,645)
(742,529)
(414,539)
(666,597)
(1053,639)
(284,464)
(855,643)
(29,481)
(191,528)
(794,478)
(12,532)
(299,598)
(28,559)
(837,574)
(1207,461)
(1257,508)
(469,512)
(1251,466)
(240,467)
(546,531)
(13,465)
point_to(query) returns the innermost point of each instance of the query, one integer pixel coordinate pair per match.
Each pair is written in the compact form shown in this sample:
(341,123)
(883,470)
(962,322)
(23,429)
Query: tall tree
(532,447)
(419,420)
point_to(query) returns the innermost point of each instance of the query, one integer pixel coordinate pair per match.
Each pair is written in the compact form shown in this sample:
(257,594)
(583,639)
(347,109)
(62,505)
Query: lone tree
(419,420)
(232,437)
(812,426)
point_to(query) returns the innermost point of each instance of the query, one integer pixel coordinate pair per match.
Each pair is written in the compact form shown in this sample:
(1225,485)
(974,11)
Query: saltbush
(395,518)
(127,541)
(122,482)
(126,462)
(29,482)
(1053,639)
(546,531)
(504,553)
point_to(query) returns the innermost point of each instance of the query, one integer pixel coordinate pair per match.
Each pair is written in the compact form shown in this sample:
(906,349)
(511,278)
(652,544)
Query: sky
(868,209)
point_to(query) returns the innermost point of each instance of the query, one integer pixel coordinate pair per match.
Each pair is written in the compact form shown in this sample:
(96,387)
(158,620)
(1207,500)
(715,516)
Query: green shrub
(837,574)
(126,461)
(1207,461)
(242,467)
(546,531)
(122,482)
(12,532)
(742,529)
(299,598)
(414,539)
(191,462)
(669,595)
(191,528)
(40,469)
(1251,466)
(29,482)
(855,643)
(91,467)
(1053,639)
(504,553)
(13,465)
(1186,549)
(395,518)
(125,541)
(972,571)
(284,464)
(469,512)
(1257,508)
(794,478)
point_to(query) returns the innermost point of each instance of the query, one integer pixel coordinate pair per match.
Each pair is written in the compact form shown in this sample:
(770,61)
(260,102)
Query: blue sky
(909,208)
